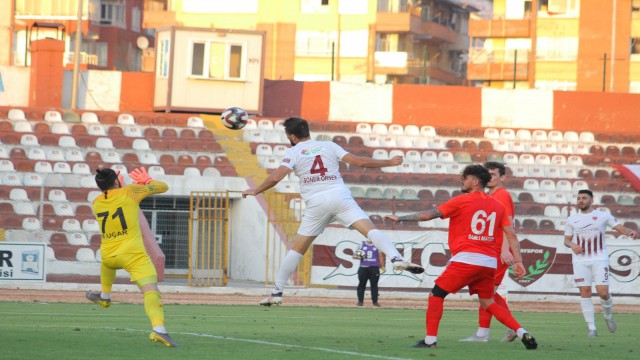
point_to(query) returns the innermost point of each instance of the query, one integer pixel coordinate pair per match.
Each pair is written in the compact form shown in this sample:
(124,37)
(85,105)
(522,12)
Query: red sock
(500,301)
(434,314)
(504,316)
(484,318)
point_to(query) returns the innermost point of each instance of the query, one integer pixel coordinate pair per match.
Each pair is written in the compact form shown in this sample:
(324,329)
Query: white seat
(92,195)
(54,180)
(12,179)
(62,168)
(555,135)
(388,141)
(73,155)
(539,135)
(587,137)
(517,146)
(264,150)
(571,136)
(574,160)
(439,168)
(413,155)
(437,144)
(379,129)
(60,128)
(501,146)
(121,168)
(531,184)
(547,185)
(132,131)
(395,129)
(541,197)
(36,154)
(212,172)
(141,144)
(57,195)
(519,170)
(195,122)
(81,169)
(265,124)
(253,135)
(412,130)
(421,143)
(89,118)
(567,211)
(558,198)
(507,134)
(16,115)
(52,116)
(428,131)
(534,147)
(90,226)
(579,185)
(192,172)
(4,154)
(558,160)
(55,155)
(6,166)
(405,168)
(31,223)
(429,156)
(396,152)
(404,142)
(551,211)
(24,208)
(155,171)
(510,159)
(454,168)
(126,119)
(148,158)
(77,238)
(67,141)
(371,140)
(18,195)
(110,157)
(446,156)
(569,173)
(22,127)
(526,159)
(29,140)
(286,187)
(71,225)
(86,255)
(523,135)
(96,130)
(363,128)
(582,149)
(278,150)
(492,134)
(63,210)
(43,167)
(542,159)
(536,171)
(271,162)
(549,148)
(104,143)
(33,179)
(273,136)
(564,185)
(421,168)
(251,125)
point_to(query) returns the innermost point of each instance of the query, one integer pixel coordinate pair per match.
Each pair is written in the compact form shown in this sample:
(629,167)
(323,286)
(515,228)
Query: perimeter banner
(23,261)
(546,259)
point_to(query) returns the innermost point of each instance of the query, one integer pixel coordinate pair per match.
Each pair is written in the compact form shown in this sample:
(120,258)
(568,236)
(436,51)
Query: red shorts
(500,271)
(457,275)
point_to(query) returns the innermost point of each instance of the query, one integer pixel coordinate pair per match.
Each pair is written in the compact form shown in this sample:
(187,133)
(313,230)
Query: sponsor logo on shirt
(286,160)
(311,152)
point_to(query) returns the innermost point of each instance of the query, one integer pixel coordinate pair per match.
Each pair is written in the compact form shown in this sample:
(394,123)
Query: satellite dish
(142,42)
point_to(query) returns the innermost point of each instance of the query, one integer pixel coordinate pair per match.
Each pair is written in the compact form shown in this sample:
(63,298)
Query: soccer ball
(234,118)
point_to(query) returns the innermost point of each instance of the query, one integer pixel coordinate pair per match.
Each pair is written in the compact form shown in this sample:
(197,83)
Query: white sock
(430,339)
(287,267)
(607,305)
(587,311)
(105,295)
(160,329)
(482,332)
(384,244)
(520,332)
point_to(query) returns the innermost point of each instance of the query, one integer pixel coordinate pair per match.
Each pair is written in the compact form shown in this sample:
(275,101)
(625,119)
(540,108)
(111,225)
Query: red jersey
(475,225)
(503,196)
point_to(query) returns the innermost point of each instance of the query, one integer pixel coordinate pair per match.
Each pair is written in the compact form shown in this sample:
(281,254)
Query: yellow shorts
(138,265)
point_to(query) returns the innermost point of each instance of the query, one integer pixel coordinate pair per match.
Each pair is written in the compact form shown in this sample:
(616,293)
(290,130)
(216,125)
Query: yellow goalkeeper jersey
(118,217)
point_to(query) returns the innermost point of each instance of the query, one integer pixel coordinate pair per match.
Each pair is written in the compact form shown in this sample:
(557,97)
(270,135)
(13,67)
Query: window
(136,19)
(218,60)
(113,14)
(315,43)
(557,49)
(163,58)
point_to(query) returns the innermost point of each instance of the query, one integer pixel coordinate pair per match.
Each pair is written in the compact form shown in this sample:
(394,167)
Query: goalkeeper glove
(140,176)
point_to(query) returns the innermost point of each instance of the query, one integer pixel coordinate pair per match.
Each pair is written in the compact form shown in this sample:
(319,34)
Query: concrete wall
(15,81)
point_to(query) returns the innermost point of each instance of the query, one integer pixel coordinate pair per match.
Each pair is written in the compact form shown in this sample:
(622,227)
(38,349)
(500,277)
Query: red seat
(596,150)
(169,133)
(115,131)
(58,239)
(161,121)
(425,195)
(43,128)
(187,134)
(49,140)
(10,138)
(78,129)
(601,174)
(618,138)
(17,153)
(525,197)
(93,156)
(84,140)
(84,211)
(185,160)
(441,195)
(453,144)
(177,144)
(469,145)
(612,150)
(130,158)
(205,134)
(179,122)
(547,225)
(529,224)
(607,200)
(340,140)
(108,119)
(123,142)
(167,159)
(151,132)
(355,140)
(628,151)
(203,161)
(158,144)
(52,223)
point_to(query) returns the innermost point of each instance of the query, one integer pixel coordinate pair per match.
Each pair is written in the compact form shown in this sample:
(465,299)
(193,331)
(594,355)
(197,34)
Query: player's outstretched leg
(273,299)
(163,338)
(95,298)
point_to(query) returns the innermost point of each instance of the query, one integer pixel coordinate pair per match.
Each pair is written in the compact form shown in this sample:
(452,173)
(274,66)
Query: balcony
(395,63)
(499,28)
(498,65)
(88,59)
(398,22)
(154,19)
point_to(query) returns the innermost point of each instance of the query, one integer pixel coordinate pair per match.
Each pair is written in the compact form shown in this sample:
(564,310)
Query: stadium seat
(587,137)
(579,185)
(529,225)
(574,160)
(60,128)
(379,129)
(36,154)
(453,144)
(564,186)
(539,135)
(558,198)
(534,147)
(126,119)
(531,184)
(63,209)
(395,129)
(542,159)
(22,127)
(16,115)
(427,131)
(408,194)
(516,146)
(61,168)
(374,193)
(547,225)
(446,157)
(52,116)
(571,136)
(265,124)
(372,140)
(31,223)
(526,159)
(501,145)
(558,160)
(411,130)
(90,226)
(549,148)
(110,157)
(67,142)
(510,159)
(552,211)
(582,149)
(104,143)
(555,135)
(492,134)
(547,185)
(43,167)
(132,131)
(405,168)
(523,135)
(507,134)
(421,143)
(625,200)
(421,168)
(437,144)
(71,225)
(404,142)
(388,142)
(89,118)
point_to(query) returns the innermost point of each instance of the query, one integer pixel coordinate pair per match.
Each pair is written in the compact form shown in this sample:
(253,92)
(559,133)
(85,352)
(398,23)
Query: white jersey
(588,231)
(317,165)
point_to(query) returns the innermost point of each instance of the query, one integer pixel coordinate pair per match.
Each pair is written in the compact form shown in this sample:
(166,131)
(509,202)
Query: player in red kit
(476,227)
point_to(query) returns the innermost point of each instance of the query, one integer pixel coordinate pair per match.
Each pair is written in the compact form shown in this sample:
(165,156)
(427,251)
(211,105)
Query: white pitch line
(292,346)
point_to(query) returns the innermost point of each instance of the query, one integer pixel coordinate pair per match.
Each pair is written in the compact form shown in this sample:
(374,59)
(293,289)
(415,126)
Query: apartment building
(381,41)
(580,45)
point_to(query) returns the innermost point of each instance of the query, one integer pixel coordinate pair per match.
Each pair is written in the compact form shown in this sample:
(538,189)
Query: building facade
(558,44)
(381,41)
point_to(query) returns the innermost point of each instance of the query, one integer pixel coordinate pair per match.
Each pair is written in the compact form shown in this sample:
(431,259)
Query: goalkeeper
(369,270)
(117,211)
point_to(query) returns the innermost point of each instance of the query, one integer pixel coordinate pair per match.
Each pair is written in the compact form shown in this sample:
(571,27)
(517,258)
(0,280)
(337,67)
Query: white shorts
(595,272)
(328,206)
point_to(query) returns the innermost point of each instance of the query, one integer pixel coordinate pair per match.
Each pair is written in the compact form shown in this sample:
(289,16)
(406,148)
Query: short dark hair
(105,178)
(502,170)
(297,126)
(479,171)
(586,191)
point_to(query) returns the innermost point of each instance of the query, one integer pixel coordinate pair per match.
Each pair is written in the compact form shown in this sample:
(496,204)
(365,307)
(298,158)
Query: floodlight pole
(76,58)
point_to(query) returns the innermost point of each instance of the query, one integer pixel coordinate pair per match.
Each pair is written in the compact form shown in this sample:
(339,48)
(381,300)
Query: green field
(86,331)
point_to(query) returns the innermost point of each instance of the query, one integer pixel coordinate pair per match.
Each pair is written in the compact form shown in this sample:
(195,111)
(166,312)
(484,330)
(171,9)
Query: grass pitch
(86,331)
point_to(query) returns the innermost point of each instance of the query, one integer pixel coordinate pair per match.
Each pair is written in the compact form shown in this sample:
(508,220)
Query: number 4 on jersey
(318,166)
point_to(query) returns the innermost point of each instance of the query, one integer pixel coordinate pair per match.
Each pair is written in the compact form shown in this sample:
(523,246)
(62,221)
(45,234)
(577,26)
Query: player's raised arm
(272,180)
(367,162)
(421,216)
